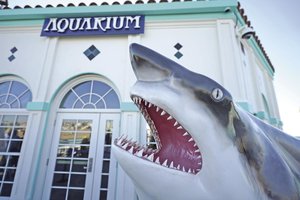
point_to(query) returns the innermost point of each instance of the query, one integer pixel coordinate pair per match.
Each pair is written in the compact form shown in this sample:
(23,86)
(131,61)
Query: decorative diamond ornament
(91,52)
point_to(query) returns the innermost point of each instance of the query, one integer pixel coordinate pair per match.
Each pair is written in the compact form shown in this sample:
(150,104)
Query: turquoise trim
(33,22)
(129,107)
(145,9)
(261,56)
(274,121)
(245,105)
(261,115)
(37,106)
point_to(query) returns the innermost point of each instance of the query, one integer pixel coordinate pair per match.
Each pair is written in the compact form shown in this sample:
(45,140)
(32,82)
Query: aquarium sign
(82,26)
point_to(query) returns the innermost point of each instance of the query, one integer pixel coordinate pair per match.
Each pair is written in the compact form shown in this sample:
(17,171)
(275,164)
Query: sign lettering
(116,25)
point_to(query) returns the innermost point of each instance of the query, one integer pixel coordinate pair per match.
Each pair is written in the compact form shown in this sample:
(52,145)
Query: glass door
(80,166)
(105,165)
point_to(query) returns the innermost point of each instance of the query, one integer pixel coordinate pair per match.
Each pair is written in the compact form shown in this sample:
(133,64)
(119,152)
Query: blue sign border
(85,26)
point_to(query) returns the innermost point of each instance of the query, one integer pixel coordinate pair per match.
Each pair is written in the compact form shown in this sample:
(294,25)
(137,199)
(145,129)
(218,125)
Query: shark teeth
(149,154)
(153,155)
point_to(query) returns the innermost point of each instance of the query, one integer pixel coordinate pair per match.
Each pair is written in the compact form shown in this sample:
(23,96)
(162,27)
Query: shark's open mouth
(176,148)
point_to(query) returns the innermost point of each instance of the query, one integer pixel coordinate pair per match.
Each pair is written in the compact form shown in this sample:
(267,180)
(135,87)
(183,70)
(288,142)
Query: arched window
(91,95)
(14,96)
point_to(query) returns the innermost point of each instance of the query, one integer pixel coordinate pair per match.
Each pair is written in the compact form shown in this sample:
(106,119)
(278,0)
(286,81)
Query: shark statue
(207,147)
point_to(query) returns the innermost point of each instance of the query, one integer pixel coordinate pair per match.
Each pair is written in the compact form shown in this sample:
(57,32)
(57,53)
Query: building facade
(65,97)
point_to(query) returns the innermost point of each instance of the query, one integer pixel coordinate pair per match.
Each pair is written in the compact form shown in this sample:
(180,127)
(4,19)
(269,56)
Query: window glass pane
(104,181)
(13,161)
(4,87)
(21,120)
(83,88)
(77,180)
(107,152)
(100,105)
(18,133)
(108,138)
(58,194)
(79,165)
(109,125)
(112,100)
(84,125)
(68,100)
(64,151)
(15,104)
(3,104)
(2,160)
(95,98)
(81,151)
(15,146)
(8,120)
(60,179)
(89,106)
(68,125)
(83,138)
(85,98)
(62,165)
(78,104)
(105,167)
(10,175)
(4,145)
(66,138)
(24,99)
(1,174)
(17,88)
(6,189)
(103,195)
(75,194)
(5,132)
(11,99)
(100,88)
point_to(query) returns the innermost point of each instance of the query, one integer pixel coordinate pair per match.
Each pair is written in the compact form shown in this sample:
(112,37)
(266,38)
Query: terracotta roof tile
(93,4)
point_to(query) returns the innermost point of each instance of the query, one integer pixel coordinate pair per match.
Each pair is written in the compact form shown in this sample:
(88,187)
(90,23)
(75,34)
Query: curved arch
(74,81)
(90,94)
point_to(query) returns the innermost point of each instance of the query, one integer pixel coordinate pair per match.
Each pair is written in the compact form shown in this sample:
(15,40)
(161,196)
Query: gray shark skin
(207,147)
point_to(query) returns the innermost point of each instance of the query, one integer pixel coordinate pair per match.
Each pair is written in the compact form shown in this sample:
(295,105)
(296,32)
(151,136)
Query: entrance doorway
(81,162)
(80,165)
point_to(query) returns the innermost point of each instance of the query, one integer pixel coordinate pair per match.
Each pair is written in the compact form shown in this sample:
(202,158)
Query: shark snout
(146,66)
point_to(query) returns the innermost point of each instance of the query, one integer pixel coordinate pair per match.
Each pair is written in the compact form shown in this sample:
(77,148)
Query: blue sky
(277,25)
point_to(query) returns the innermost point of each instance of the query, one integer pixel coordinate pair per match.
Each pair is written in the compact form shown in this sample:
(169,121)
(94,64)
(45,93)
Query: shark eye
(217,94)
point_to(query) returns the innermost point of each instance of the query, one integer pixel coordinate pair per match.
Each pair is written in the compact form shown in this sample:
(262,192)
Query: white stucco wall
(209,47)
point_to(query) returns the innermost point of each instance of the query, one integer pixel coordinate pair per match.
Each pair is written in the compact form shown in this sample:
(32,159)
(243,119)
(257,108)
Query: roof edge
(164,8)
